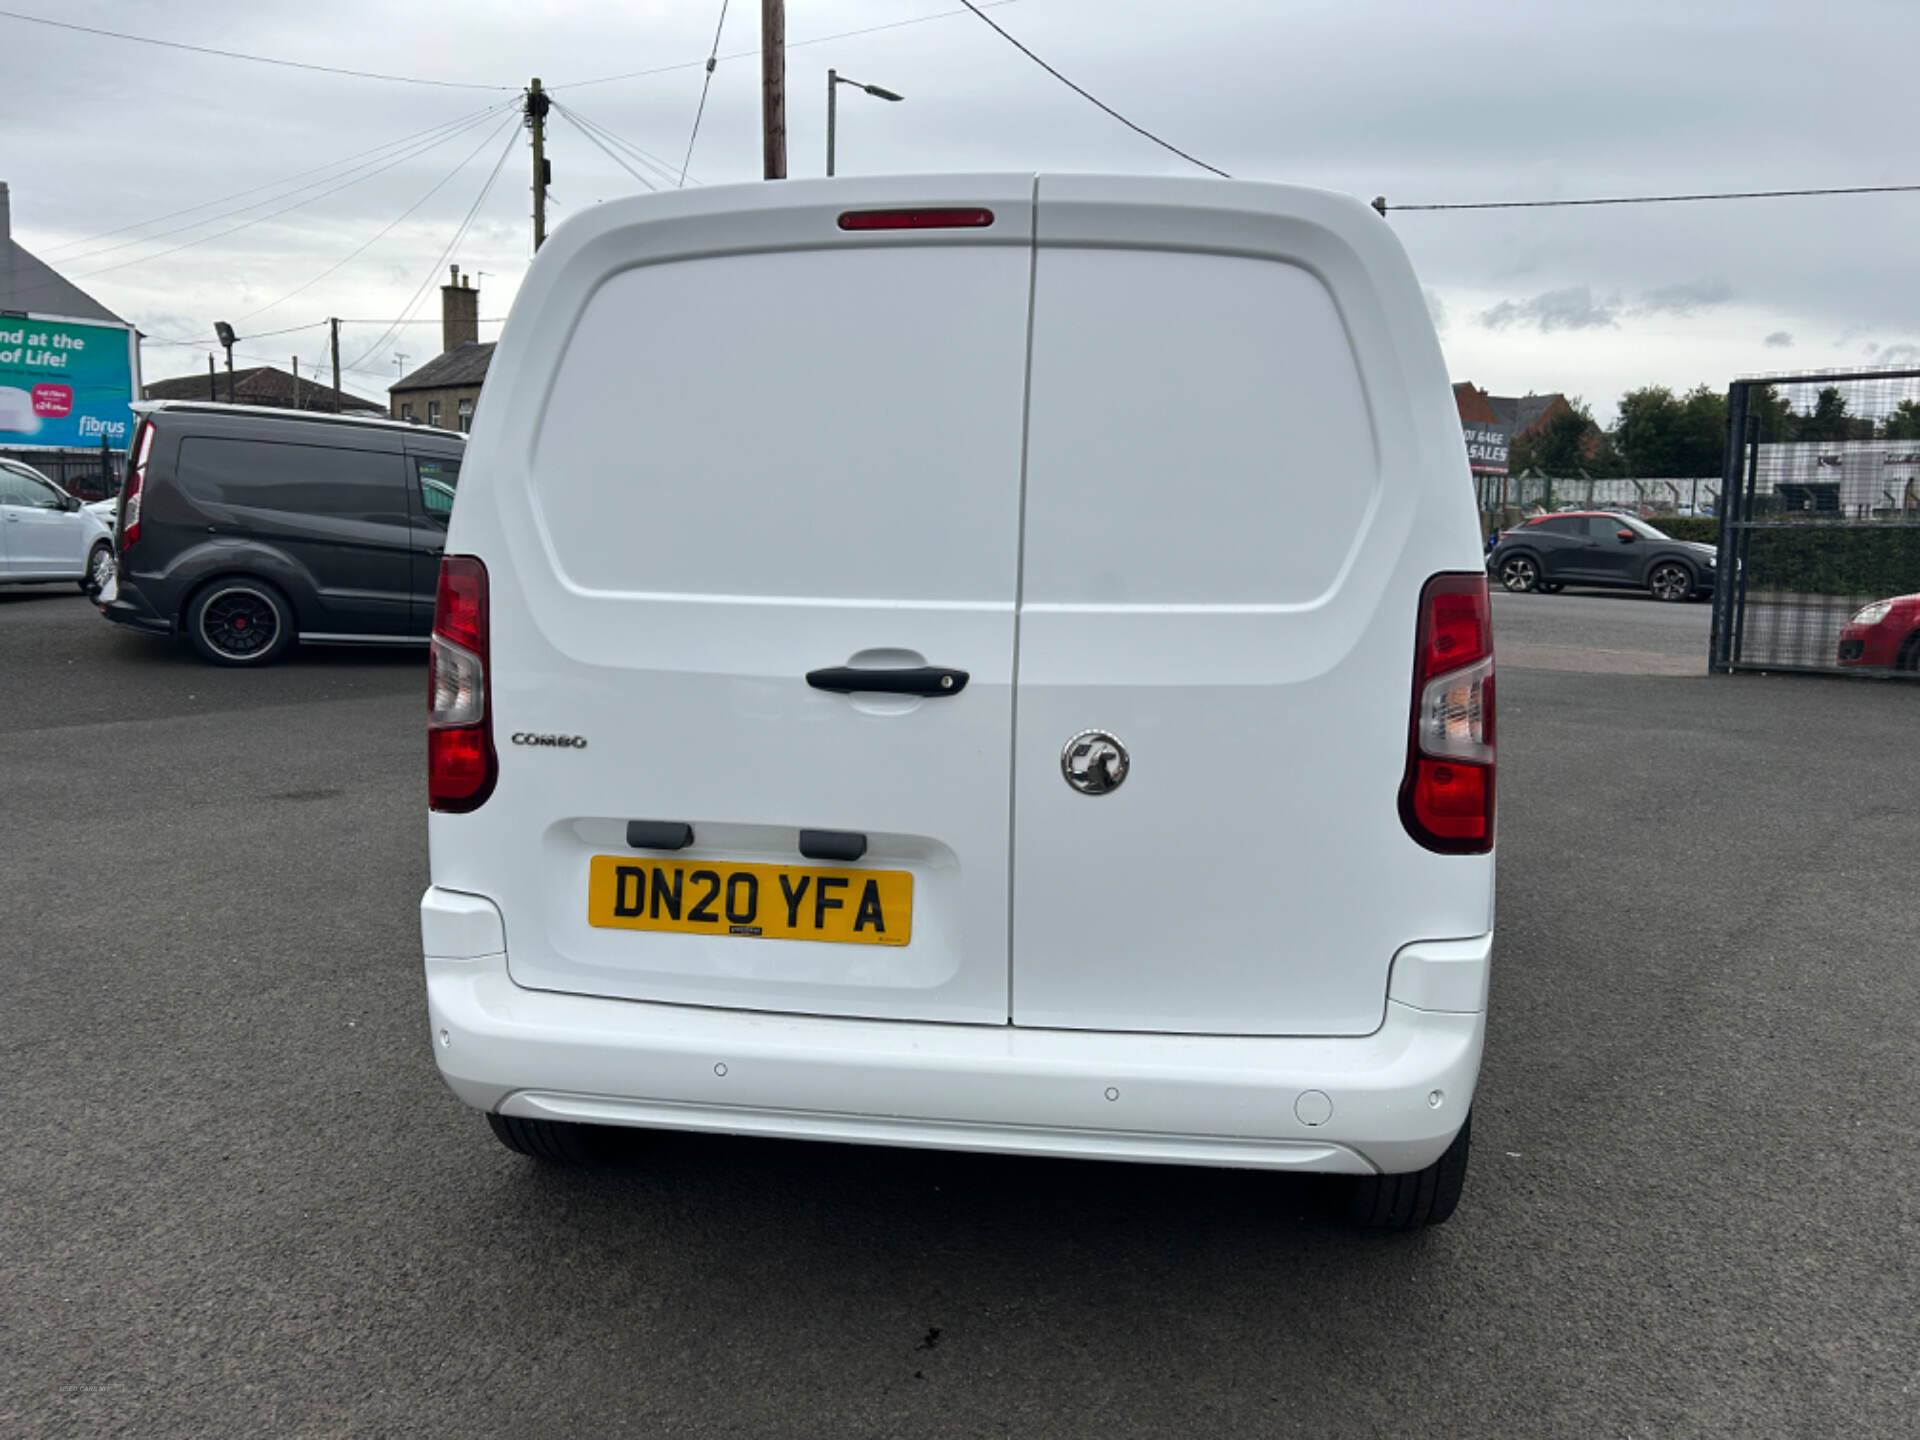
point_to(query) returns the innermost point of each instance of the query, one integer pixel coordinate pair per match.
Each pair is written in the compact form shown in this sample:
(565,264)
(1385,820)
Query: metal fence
(1820,536)
(89,474)
(1690,495)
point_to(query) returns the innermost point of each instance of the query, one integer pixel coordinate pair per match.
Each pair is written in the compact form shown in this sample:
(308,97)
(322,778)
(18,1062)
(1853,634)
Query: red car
(1884,635)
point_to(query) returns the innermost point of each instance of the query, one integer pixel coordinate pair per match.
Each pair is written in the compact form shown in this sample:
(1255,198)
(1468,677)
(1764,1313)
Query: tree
(1702,436)
(1903,423)
(1569,444)
(1772,412)
(1647,434)
(1828,420)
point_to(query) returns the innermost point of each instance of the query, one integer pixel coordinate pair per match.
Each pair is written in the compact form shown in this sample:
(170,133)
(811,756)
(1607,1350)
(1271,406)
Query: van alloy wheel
(1519,574)
(1670,581)
(240,622)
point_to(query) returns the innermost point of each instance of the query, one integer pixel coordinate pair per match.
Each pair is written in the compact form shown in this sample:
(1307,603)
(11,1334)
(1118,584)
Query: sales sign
(1486,448)
(65,384)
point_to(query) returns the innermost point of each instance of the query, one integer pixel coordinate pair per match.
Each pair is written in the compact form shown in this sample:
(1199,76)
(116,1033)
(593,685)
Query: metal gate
(1819,565)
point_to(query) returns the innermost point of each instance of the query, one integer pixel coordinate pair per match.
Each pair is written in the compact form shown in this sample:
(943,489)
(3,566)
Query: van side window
(296,479)
(437,480)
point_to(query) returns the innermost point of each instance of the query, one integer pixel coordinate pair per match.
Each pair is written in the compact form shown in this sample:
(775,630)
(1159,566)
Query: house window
(433,412)
(466,416)
(406,410)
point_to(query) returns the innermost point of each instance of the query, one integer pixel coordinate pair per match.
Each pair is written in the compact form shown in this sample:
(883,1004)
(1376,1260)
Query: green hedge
(1705,529)
(1870,560)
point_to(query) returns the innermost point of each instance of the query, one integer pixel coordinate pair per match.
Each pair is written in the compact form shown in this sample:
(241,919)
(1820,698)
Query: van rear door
(1242,465)
(730,441)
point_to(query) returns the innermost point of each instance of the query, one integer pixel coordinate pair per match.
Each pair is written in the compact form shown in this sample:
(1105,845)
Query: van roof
(270,412)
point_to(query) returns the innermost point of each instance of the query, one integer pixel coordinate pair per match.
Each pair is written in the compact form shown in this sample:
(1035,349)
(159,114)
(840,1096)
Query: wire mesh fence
(1530,494)
(1820,539)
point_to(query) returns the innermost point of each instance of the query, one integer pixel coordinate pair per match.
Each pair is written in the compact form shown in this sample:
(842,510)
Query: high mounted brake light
(1446,798)
(461,764)
(948,217)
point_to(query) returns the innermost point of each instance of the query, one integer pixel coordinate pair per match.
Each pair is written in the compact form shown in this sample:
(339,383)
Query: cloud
(1437,310)
(1778,340)
(1684,299)
(1573,308)
(1898,355)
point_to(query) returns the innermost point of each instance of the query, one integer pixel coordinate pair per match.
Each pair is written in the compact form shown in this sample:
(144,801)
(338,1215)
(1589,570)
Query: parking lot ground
(237,1199)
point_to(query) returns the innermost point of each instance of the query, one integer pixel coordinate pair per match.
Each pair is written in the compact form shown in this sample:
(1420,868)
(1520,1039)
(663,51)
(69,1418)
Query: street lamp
(223,332)
(834,81)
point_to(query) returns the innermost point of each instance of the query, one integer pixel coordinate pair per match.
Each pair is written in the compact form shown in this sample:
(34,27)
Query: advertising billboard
(66,384)
(1486,448)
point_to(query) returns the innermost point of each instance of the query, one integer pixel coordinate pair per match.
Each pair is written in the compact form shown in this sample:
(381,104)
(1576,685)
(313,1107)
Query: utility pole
(538,103)
(773,87)
(296,382)
(335,324)
(213,384)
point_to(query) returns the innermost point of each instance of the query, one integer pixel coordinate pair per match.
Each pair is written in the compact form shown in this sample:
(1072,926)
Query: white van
(986,662)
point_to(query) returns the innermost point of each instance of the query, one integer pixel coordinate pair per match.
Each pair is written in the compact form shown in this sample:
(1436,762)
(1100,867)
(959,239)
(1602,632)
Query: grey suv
(247,529)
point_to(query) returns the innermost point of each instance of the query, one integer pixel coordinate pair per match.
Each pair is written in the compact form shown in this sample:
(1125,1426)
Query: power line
(706,84)
(645,157)
(271,214)
(603,147)
(1089,96)
(346,180)
(791,45)
(440,134)
(479,200)
(58,250)
(238,55)
(360,249)
(1382,206)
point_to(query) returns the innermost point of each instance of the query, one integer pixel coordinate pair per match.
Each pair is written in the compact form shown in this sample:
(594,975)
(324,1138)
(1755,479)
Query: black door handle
(921,680)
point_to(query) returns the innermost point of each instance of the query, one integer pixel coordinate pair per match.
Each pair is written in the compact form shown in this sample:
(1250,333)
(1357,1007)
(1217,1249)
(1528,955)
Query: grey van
(247,529)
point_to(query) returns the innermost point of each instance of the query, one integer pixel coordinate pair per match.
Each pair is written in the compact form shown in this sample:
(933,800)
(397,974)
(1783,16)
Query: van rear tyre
(559,1142)
(239,621)
(1409,1202)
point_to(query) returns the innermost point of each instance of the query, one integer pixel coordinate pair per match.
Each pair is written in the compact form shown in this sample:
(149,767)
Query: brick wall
(448,399)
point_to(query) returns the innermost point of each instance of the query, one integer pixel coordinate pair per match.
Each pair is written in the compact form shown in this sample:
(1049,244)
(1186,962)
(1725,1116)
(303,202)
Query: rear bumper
(1390,1101)
(125,605)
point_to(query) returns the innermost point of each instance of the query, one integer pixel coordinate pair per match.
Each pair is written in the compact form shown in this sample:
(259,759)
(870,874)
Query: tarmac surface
(240,1201)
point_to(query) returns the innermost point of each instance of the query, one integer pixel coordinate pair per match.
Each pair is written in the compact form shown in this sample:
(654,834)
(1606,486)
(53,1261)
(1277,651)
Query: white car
(47,534)
(106,511)
(1029,689)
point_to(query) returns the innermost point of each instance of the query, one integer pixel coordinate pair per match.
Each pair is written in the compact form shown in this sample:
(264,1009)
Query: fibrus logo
(564,742)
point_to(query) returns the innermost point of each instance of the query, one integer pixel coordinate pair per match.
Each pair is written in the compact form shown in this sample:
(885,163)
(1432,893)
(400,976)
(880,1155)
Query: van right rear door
(1242,466)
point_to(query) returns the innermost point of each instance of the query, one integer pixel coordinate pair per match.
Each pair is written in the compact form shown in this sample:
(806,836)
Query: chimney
(459,311)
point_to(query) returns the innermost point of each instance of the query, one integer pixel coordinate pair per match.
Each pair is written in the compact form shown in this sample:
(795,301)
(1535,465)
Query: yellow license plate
(770,902)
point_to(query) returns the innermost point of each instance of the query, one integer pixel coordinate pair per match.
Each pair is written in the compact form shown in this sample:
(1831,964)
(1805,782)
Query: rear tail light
(461,765)
(1446,799)
(136,483)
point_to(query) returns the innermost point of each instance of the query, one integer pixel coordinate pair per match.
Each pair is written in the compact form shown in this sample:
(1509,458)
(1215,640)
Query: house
(263,385)
(445,391)
(31,286)
(1486,436)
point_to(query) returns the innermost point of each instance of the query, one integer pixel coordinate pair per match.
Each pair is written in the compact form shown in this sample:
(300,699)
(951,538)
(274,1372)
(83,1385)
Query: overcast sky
(1421,102)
